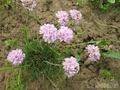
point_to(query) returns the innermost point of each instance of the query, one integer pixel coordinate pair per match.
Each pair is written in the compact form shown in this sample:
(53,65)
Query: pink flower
(29,4)
(16,56)
(65,34)
(71,66)
(94,53)
(63,17)
(49,32)
(75,14)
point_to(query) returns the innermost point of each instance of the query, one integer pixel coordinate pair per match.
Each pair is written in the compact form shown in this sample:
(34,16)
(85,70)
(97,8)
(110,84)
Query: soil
(95,26)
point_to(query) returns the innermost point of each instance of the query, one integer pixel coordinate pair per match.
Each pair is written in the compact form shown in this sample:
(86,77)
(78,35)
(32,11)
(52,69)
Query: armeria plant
(44,57)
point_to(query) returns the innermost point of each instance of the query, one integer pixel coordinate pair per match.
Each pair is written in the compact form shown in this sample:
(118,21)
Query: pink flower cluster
(94,53)
(29,4)
(16,56)
(63,17)
(65,34)
(50,33)
(71,66)
(75,14)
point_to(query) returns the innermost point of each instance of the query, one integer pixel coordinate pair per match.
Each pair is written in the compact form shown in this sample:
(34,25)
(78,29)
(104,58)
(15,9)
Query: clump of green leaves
(15,81)
(5,3)
(12,43)
(108,53)
(102,5)
(108,75)
(41,59)
(110,1)
(117,11)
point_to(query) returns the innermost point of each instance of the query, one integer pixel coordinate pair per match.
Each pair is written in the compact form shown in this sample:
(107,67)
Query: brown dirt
(93,25)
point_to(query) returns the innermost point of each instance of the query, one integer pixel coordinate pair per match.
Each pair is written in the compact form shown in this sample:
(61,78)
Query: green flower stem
(27,17)
(55,51)
(36,17)
(30,12)
(52,83)
(91,42)
(52,63)
(25,35)
(104,24)
(107,25)
(15,67)
(15,5)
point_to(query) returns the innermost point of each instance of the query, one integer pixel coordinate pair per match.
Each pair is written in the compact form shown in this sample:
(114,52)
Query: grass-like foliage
(102,5)
(42,58)
(105,6)
(5,3)
(108,75)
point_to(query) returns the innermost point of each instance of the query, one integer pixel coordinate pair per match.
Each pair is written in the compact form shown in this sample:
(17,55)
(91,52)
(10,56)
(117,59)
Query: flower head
(16,56)
(75,14)
(65,34)
(49,32)
(29,4)
(71,66)
(94,53)
(63,17)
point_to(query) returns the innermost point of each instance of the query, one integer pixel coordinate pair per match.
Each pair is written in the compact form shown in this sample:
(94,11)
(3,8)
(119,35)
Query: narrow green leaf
(101,4)
(111,54)
(102,43)
(80,50)
(79,32)
(111,1)
(84,1)
(78,57)
(11,67)
(67,50)
(7,43)
(21,86)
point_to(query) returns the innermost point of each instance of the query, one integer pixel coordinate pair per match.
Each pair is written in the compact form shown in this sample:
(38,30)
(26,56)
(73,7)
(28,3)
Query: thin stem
(15,5)
(107,25)
(27,17)
(104,24)
(54,51)
(52,83)
(31,13)
(52,63)
(36,17)
(12,67)
(91,42)
(7,82)
(25,35)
